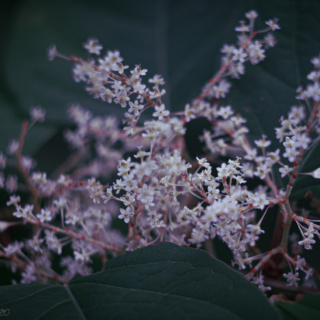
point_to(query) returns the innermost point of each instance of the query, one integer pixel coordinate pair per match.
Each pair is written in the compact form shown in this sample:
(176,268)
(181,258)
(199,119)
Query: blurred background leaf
(307,308)
(179,39)
(306,183)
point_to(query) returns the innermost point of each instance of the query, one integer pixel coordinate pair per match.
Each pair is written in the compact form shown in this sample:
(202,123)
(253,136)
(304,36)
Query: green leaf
(157,282)
(308,308)
(179,39)
(306,183)
(267,90)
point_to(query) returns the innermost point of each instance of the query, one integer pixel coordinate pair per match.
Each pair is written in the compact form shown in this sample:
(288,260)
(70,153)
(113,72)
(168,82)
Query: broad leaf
(306,183)
(308,308)
(156,282)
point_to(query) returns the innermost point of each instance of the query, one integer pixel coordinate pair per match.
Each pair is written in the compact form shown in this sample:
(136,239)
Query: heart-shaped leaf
(157,282)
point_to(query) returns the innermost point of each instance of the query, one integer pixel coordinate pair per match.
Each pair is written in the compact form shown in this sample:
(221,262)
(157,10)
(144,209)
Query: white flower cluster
(139,174)
(234,57)
(107,80)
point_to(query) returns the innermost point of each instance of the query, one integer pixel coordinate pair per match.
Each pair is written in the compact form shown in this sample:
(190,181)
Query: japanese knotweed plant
(157,192)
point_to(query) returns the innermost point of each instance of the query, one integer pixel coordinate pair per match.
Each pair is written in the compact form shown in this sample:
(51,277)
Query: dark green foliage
(308,308)
(157,282)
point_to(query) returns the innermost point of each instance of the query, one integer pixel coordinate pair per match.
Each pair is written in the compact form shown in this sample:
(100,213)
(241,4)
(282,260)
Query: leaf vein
(29,295)
(74,301)
(160,293)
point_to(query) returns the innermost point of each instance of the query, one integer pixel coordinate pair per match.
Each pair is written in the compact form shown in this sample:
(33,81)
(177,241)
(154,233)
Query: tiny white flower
(291,154)
(251,15)
(203,163)
(242,28)
(13,248)
(37,114)
(13,147)
(52,52)
(60,203)
(292,278)
(300,263)
(225,112)
(270,40)
(14,200)
(126,214)
(260,201)
(313,91)
(285,170)
(239,55)
(160,112)
(263,143)
(273,157)
(93,46)
(189,113)
(307,242)
(45,215)
(316,62)
(273,24)
(135,107)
